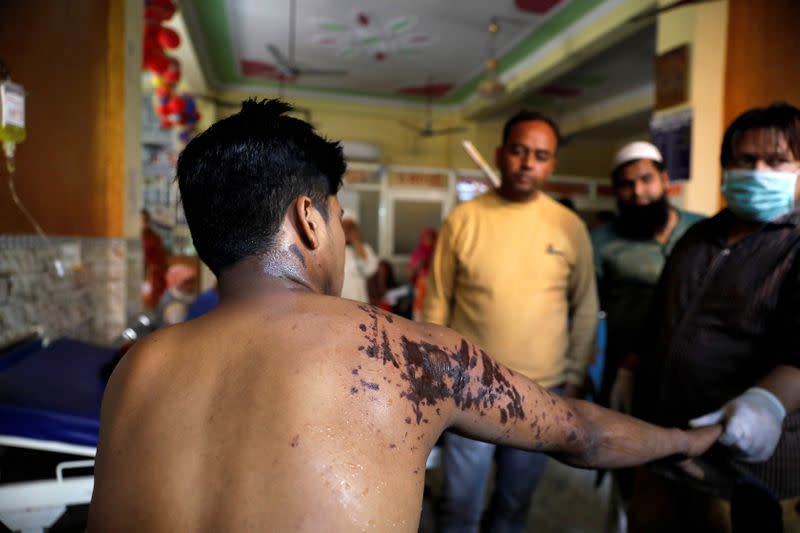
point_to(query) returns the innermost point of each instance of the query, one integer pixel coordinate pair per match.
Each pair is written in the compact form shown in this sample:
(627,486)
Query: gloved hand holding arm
(753,421)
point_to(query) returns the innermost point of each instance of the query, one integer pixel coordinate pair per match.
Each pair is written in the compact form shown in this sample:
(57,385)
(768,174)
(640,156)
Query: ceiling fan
(491,86)
(652,13)
(286,64)
(427,129)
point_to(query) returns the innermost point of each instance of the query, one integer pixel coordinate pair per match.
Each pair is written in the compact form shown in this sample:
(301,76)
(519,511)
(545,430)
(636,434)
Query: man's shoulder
(700,225)
(563,220)
(480,203)
(562,214)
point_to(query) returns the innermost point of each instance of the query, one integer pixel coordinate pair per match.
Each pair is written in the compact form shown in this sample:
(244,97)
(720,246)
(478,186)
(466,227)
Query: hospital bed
(49,414)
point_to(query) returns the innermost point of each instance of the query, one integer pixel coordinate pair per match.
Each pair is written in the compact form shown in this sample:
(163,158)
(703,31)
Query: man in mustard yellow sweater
(513,271)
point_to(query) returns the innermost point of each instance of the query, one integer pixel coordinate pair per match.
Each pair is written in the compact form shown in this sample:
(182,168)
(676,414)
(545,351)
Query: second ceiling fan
(427,129)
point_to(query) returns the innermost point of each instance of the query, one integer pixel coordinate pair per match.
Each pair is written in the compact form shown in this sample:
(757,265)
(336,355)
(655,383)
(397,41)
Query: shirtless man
(289,408)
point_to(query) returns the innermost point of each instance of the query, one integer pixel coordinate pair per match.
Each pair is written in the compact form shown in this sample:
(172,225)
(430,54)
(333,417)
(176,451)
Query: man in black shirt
(726,316)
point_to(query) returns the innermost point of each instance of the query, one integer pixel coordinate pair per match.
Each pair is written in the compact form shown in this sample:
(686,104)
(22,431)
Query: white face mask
(759,195)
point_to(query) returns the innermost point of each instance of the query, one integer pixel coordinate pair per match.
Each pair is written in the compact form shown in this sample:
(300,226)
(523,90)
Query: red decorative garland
(173,109)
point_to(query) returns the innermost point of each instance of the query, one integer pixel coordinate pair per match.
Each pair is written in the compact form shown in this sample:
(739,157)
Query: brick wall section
(86,303)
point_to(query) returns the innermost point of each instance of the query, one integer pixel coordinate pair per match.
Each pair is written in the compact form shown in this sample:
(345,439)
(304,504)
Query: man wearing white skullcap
(360,261)
(629,255)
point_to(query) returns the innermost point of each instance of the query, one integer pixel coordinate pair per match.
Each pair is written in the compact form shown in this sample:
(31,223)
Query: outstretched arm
(487,401)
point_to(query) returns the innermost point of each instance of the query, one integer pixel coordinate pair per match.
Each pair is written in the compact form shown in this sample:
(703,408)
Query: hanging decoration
(174,110)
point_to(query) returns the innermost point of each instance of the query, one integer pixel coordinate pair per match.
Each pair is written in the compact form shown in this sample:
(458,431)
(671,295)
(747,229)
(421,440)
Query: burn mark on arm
(433,374)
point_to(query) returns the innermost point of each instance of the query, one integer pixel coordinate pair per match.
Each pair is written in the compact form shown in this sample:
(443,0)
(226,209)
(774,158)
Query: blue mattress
(53,393)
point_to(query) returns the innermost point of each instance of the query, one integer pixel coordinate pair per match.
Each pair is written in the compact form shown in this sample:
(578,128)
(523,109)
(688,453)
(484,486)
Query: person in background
(181,291)
(155,263)
(379,284)
(629,254)
(513,272)
(723,341)
(418,268)
(360,261)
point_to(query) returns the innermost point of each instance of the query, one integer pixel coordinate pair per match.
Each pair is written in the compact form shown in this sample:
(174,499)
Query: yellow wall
(587,158)
(381,124)
(704,29)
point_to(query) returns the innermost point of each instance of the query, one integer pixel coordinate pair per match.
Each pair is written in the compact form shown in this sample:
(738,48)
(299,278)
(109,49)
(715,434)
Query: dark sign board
(672,134)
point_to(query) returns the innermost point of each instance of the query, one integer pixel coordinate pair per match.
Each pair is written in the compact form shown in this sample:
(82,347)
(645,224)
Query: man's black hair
(528,116)
(238,178)
(780,116)
(616,175)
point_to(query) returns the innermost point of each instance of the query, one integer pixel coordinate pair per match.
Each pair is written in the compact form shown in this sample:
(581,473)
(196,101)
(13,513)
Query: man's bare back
(295,410)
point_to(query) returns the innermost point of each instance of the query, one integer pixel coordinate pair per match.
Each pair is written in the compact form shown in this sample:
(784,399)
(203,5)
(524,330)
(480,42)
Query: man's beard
(642,222)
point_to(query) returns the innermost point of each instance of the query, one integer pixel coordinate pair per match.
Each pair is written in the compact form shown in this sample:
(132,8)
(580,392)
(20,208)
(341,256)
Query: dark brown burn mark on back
(298,254)
(295,441)
(386,351)
(433,373)
(368,385)
(362,327)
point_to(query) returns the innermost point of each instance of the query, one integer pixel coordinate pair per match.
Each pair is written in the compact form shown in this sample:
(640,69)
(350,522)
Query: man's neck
(260,275)
(506,195)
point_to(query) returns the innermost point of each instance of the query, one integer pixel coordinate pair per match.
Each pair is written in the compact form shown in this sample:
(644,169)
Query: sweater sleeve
(583,307)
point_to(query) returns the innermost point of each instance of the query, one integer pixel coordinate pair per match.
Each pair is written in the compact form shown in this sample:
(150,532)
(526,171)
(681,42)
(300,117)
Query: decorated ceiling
(379,48)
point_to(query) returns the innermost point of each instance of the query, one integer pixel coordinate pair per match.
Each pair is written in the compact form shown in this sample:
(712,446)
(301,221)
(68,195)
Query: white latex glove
(752,421)
(621,395)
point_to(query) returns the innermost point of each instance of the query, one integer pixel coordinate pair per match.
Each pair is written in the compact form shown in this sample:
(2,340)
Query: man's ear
(308,221)
(665,179)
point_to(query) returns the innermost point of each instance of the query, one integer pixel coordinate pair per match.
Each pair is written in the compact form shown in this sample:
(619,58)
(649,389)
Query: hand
(702,438)
(753,424)
(621,396)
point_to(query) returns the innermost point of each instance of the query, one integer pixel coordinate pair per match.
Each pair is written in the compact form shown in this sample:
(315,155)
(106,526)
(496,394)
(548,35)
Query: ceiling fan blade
(320,72)
(278,56)
(447,131)
(410,126)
